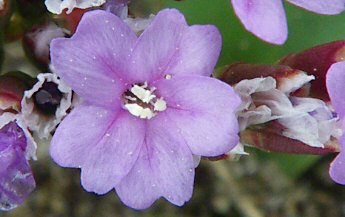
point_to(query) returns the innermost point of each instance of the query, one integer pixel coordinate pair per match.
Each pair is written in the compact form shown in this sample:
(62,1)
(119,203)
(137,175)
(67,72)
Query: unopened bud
(12,87)
(288,80)
(316,61)
(36,43)
(270,137)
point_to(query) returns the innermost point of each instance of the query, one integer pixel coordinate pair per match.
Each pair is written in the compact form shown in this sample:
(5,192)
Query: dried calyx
(48,98)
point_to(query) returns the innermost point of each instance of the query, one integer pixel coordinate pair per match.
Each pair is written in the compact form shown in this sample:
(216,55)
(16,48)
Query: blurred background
(261,184)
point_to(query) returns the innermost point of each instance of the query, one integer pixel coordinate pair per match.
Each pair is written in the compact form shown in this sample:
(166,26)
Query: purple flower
(16,178)
(149,105)
(266,18)
(335,81)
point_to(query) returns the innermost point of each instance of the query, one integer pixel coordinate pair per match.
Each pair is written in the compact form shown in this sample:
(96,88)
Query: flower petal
(78,133)
(114,155)
(104,145)
(92,62)
(264,18)
(321,6)
(158,44)
(165,167)
(199,50)
(337,167)
(203,110)
(335,79)
(171,47)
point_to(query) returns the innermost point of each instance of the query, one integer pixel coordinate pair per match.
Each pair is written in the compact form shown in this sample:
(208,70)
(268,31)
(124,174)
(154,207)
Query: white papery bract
(308,120)
(58,6)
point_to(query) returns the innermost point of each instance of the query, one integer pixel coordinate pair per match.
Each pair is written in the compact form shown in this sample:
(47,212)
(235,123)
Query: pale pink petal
(171,47)
(165,168)
(337,167)
(78,132)
(203,110)
(114,155)
(264,18)
(102,143)
(328,7)
(94,60)
(335,80)
(198,51)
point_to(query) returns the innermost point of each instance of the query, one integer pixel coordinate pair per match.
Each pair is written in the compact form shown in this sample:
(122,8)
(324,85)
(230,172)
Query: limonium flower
(149,106)
(335,79)
(266,18)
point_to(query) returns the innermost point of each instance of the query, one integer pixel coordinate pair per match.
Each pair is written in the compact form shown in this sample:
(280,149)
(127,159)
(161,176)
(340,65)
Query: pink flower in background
(149,106)
(266,18)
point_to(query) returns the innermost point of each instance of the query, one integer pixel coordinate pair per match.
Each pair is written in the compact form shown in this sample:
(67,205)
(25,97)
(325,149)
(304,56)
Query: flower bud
(316,61)
(36,43)
(270,137)
(12,87)
(287,79)
(303,121)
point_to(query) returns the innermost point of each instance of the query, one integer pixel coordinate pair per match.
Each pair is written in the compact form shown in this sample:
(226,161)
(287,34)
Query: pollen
(141,101)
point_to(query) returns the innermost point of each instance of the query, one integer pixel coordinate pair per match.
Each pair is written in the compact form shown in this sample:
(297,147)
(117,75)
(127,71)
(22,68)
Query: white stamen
(144,95)
(144,103)
(167,76)
(139,111)
(160,105)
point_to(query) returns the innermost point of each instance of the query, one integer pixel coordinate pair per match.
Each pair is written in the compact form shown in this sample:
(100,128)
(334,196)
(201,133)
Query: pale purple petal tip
(264,18)
(337,167)
(335,80)
(171,47)
(327,7)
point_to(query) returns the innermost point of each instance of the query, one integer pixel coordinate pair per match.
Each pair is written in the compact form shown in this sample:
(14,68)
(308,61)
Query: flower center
(48,98)
(141,101)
